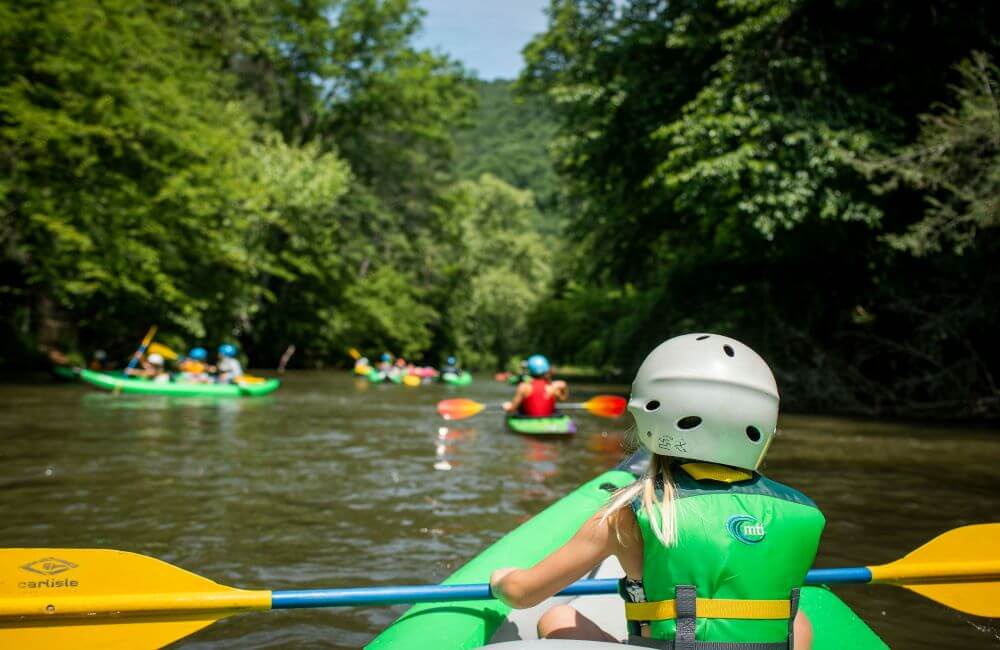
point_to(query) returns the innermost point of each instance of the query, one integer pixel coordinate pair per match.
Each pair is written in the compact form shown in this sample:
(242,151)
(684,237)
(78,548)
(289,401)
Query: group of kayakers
(192,368)
(394,368)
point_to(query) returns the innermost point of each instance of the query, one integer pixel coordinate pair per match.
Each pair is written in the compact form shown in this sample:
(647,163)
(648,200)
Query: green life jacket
(744,546)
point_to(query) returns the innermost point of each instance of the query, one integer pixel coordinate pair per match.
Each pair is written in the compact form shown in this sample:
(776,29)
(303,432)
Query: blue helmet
(452,361)
(198,354)
(386,356)
(227,350)
(538,365)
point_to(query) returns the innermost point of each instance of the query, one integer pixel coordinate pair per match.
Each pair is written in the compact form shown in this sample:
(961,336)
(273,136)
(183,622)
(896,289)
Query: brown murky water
(333,482)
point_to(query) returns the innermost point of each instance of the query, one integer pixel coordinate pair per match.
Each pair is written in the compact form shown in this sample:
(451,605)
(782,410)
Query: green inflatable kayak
(136,386)
(461,379)
(557,424)
(473,624)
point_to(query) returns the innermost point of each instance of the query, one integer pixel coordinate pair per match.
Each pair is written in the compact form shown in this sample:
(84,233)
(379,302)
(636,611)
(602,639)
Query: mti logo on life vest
(746,529)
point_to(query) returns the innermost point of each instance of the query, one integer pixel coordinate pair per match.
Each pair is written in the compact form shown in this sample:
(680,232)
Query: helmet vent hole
(753,433)
(652,405)
(689,422)
(728,349)
(649,434)
(702,337)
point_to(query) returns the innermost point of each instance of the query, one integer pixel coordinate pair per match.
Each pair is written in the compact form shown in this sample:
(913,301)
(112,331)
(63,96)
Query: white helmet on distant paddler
(705,397)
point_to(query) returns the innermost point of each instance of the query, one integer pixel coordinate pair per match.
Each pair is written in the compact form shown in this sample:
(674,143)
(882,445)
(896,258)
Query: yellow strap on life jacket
(661,610)
(713,472)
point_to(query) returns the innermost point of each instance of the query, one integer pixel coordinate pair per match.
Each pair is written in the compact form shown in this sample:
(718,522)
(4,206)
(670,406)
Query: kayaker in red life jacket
(713,552)
(538,397)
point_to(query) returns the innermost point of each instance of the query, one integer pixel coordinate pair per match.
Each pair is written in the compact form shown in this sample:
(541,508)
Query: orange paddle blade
(459,409)
(606,406)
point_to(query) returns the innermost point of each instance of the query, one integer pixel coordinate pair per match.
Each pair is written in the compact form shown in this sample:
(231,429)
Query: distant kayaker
(99,361)
(150,367)
(538,397)
(230,368)
(451,366)
(714,553)
(385,363)
(362,366)
(399,368)
(194,367)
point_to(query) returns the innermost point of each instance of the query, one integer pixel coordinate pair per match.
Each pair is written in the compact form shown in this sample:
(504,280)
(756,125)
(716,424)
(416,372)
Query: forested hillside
(268,173)
(510,136)
(817,178)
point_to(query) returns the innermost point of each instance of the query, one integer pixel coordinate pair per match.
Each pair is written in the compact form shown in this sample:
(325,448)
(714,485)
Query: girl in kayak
(230,368)
(538,397)
(194,368)
(713,552)
(151,367)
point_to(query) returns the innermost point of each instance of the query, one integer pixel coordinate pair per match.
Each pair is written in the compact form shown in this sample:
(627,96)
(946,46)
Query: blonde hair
(663,515)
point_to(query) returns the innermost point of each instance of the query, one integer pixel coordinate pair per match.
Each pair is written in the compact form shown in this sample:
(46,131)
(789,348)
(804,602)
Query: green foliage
(502,270)
(509,138)
(388,310)
(714,159)
(956,161)
(277,172)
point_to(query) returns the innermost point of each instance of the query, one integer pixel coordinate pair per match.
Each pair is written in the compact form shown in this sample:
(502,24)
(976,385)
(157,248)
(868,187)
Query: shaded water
(332,482)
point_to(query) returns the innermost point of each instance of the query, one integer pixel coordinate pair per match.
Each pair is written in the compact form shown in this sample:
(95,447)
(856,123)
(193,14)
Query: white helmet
(155,359)
(705,397)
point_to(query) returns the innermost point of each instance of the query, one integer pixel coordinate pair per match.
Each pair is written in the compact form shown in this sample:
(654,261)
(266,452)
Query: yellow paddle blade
(354,353)
(959,569)
(411,380)
(162,350)
(250,379)
(95,598)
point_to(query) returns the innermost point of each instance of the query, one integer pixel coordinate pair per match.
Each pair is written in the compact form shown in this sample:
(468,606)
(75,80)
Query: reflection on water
(335,482)
(448,447)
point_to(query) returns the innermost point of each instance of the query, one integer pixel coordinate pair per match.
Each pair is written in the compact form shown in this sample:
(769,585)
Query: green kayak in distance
(461,379)
(379,377)
(65,373)
(136,386)
(475,624)
(557,424)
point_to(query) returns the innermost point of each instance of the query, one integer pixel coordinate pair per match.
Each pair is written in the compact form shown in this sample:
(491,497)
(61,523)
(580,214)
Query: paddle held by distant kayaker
(538,397)
(714,553)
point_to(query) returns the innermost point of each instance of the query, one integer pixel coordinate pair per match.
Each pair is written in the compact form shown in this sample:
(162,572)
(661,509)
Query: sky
(485,35)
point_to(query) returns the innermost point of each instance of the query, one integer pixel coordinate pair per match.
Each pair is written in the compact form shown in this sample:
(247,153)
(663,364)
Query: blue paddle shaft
(453,593)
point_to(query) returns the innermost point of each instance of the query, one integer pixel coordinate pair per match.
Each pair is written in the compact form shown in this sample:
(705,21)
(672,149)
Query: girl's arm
(521,588)
(519,394)
(560,390)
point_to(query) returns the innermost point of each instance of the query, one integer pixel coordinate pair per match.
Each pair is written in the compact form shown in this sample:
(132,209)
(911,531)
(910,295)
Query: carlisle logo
(48,566)
(745,528)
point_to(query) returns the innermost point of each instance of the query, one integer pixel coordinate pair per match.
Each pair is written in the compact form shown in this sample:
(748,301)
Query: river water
(332,482)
